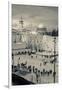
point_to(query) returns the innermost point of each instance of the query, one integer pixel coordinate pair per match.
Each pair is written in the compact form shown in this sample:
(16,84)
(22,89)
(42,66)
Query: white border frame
(9,44)
(10,37)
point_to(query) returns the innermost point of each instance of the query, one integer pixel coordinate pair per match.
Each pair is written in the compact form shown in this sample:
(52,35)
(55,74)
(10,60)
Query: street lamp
(54,57)
(54,35)
(13,61)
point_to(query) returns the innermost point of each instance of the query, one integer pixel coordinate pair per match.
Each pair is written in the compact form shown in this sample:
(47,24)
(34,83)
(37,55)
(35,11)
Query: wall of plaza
(38,41)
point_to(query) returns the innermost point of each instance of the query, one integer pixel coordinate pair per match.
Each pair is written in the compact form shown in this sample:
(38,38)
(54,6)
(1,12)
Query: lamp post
(54,58)
(54,34)
(13,61)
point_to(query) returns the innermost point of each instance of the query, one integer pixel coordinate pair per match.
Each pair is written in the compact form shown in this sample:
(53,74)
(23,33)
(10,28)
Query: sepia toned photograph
(34,44)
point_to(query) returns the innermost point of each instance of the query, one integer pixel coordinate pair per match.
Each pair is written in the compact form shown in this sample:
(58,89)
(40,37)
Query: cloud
(35,15)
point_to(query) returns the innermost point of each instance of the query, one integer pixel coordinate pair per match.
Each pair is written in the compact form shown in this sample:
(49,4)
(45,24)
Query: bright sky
(35,16)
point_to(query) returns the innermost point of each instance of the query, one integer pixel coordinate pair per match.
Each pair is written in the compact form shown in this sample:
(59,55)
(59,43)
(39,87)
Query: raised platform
(16,80)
